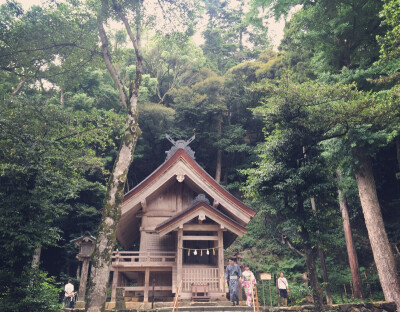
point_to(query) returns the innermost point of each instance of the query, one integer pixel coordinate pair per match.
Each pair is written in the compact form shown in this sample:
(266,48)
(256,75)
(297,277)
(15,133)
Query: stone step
(210,309)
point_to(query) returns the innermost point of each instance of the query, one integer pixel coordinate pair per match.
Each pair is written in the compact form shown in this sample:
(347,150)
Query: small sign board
(265,276)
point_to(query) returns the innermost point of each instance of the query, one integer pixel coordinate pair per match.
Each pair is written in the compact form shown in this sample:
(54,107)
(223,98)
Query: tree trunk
(101,257)
(398,152)
(310,258)
(323,264)
(313,276)
(351,250)
(381,250)
(219,152)
(62,97)
(36,257)
(328,294)
(18,87)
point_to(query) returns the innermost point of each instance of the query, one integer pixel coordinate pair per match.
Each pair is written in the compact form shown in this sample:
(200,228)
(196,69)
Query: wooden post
(179,257)
(252,298)
(179,204)
(152,295)
(78,271)
(146,285)
(277,291)
(270,295)
(221,260)
(84,276)
(263,294)
(114,285)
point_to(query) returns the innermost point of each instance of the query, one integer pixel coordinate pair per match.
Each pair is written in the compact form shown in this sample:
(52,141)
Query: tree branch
(59,45)
(134,88)
(107,58)
(285,240)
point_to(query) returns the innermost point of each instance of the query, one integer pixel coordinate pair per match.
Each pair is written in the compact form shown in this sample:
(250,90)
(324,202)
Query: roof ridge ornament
(200,198)
(179,144)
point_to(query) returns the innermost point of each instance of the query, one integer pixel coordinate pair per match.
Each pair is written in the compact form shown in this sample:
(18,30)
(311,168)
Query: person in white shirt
(283,288)
(69,294)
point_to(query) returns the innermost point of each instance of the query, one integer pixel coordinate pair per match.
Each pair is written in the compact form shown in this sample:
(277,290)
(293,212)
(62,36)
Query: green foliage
(155,120)
(29,47)
(148,88)
(57,148)
(33,291)
(233,34)
(173,60)
(390,41)
(332,37)
(50,167)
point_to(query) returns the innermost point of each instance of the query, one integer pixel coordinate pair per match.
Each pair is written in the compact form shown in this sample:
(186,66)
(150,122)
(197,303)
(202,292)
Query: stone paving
(225,307)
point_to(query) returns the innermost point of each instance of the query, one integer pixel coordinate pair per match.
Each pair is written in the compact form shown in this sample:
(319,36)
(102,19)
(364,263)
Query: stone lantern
(86,245)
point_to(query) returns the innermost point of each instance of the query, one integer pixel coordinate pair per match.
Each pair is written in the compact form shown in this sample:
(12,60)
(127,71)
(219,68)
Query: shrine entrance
(182,220)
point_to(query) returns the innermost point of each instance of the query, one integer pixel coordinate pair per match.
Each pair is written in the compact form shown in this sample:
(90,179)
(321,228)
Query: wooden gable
(200,210)
(169,191)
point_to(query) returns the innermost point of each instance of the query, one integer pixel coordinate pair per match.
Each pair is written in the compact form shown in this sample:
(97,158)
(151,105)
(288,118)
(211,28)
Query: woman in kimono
(248,281)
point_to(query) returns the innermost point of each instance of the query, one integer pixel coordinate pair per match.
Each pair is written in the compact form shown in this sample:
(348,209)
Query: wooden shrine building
(174,227)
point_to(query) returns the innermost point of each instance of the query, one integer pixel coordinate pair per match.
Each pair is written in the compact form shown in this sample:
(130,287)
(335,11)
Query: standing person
(248,281)
(283,288)
(69,294)
(233,275)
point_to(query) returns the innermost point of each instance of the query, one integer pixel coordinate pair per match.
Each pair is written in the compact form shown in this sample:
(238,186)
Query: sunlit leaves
(46,155)
(390,42)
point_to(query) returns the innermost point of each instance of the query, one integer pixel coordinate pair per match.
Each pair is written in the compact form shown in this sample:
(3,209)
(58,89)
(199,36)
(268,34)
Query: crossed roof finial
(179,144)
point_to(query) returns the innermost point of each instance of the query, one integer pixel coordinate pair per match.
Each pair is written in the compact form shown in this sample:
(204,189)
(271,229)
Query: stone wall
(365,307)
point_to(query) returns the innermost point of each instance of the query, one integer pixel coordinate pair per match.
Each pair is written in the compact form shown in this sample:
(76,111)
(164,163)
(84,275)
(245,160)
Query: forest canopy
(306,133)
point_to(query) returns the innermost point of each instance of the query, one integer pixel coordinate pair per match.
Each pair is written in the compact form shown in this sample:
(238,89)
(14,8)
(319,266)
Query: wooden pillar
(179,204)
(84,276)
(221,260)
(179,258)
(146,285)
(115,282)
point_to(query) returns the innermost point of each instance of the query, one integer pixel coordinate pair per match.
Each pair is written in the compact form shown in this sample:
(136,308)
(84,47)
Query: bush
(32,291)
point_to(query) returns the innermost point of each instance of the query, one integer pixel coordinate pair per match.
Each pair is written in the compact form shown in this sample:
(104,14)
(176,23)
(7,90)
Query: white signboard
(265,276)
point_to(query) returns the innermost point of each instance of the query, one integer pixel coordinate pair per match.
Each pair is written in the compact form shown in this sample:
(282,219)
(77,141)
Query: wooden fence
(136,258)
(202,276)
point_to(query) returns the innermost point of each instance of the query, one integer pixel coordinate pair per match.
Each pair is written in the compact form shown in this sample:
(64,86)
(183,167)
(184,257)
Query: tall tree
(46,155)
(233,34)
(332,40)
(295,127)
(362,141)
(105,242)
(381,249)
(351,250)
